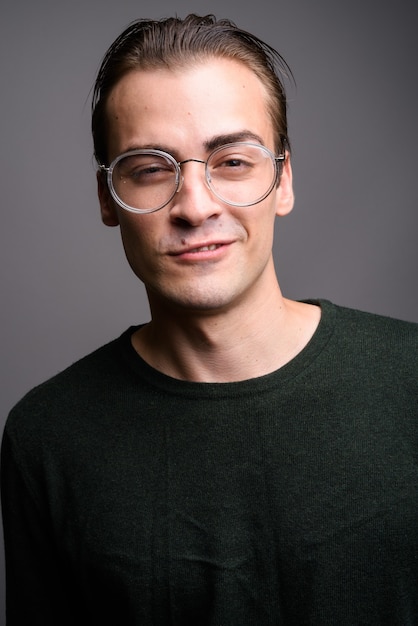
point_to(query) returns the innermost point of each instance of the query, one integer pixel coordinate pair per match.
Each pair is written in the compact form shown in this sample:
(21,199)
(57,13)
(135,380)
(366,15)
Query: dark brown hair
(175,43)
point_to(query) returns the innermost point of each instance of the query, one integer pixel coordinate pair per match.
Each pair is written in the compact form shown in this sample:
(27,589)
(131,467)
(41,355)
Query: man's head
(187,124)
(174,43)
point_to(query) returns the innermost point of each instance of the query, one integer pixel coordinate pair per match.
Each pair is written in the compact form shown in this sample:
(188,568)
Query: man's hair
(175,43)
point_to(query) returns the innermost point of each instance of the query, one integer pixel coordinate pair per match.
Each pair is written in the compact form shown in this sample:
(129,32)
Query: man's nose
(194,202)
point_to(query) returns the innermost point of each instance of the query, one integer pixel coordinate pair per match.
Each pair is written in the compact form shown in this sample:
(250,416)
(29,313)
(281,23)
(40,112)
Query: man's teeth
(204,248)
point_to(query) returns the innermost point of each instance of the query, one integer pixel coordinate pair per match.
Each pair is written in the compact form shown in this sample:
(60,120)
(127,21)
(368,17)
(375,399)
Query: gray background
(65,285)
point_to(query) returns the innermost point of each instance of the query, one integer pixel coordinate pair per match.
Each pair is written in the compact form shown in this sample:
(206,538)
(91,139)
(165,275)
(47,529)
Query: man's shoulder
(354,326)
(383,343)
(354,321)
(90,376)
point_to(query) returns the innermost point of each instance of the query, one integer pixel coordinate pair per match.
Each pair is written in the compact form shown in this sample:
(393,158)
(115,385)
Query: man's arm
(37,589)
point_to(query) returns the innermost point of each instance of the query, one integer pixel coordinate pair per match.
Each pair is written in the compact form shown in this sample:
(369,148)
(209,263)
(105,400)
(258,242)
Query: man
(241,459)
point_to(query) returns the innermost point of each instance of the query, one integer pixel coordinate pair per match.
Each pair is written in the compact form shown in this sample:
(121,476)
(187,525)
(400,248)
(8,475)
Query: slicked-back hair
(175,43)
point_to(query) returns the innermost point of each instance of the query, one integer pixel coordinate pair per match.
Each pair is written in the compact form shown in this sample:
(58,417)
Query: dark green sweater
(133,498)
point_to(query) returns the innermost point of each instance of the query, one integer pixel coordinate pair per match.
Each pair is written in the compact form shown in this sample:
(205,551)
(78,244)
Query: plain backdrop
(351,238)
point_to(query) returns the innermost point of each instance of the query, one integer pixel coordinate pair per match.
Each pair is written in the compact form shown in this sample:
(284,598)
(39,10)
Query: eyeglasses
(240,174)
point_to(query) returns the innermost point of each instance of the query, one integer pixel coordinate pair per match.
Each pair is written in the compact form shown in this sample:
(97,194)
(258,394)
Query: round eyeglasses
(240,174)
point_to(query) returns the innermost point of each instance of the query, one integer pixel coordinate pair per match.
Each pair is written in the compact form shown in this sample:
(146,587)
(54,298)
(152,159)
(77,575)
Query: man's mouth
(191,249)
(213,246)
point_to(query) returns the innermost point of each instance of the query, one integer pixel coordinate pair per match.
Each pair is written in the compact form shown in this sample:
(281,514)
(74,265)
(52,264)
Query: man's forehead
(219,101)
(236,74)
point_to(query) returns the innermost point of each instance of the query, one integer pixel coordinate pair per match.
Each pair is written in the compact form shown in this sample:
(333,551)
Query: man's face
(196,253)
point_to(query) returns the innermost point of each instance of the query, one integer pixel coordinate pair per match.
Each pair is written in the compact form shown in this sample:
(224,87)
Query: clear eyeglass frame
(277,162)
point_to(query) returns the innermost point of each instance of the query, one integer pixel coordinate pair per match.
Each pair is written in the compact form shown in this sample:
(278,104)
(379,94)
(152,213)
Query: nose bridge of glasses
(180,163)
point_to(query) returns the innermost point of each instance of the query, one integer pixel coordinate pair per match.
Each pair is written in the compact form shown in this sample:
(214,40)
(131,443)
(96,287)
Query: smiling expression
(197,252)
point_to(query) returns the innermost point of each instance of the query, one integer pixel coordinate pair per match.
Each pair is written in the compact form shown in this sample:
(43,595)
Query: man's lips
(197,248)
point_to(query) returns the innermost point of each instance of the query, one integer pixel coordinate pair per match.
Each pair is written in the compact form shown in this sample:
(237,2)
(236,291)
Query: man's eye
(145,173)
(234,163)
(149,170)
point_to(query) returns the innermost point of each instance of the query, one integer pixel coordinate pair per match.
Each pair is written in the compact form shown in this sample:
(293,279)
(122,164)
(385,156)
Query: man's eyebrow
(147,146)
(221,140)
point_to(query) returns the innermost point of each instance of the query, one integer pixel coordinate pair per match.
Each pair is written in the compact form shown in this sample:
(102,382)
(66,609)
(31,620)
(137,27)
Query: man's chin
(193,300)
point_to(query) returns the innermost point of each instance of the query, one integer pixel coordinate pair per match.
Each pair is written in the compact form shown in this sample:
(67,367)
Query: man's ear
(285,196)
(107,206)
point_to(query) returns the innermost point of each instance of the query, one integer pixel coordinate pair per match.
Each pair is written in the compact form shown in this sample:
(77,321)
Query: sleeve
(37,590)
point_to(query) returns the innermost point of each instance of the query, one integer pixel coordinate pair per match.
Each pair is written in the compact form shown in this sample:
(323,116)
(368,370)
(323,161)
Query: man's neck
(227,346)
